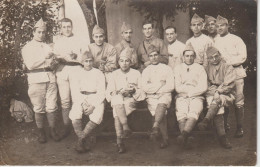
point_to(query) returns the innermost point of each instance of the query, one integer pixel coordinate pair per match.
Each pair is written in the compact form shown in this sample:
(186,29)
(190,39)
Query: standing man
(211,27)
(126,33)
(200,42)
(68,50)
(37,57)
(158,84)
(190,84)
(220,93)
(233,50)
(150,39)
(124,90)
(88,96)
(175,47)
(103,53)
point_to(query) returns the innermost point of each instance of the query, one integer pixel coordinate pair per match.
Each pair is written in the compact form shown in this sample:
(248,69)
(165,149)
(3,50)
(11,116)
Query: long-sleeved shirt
(154,75)
(221,77)
(175,51)
(143,47)
(200,45)
(233,50)
(93,81)
(33,54)
(64,46)
(121,46)
(190,80)
(106,54)
(120,80)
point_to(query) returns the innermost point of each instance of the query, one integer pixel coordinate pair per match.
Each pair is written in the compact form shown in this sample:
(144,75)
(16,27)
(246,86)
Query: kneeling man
(220,94)
(88,94)
(124,90)
(158,83)
(190,84)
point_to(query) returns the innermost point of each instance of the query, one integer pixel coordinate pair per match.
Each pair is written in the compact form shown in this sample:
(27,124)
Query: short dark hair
(148,22)
(171,27)
(189,50)
(66,20)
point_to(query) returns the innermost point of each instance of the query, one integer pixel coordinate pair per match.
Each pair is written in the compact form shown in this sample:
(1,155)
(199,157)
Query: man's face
(214,59)
(88,64)
(222,28)
(66,28)
(39,34)
(99,39)
(211,27)
(189,57)
(170,35)
(196,27)
(148,30)
(127,35)
(124,63)
(154,58)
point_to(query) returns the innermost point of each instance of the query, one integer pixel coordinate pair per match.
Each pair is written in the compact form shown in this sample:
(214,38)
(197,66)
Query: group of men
(87,77)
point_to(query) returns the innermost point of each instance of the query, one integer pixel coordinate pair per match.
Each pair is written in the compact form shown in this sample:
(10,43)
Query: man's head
(39,30)
(88,60)
(189,54)
(222,25)
(98,35)
(196,24)
(171,34)
(125,58)
(211,24)
(153,54)
(213,55)
(66,27)
(127,32)
(148,29)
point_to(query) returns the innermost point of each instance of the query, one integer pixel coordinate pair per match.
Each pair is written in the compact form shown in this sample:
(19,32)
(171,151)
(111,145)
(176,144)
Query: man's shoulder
(134,71)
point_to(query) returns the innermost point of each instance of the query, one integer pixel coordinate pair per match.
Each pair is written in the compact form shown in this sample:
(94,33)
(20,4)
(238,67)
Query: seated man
(124,90)
(190,84)
(158,83)
(220,94)
(88,94)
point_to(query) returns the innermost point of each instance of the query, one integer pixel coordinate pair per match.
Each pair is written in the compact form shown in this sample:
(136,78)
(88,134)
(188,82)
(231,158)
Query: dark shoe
(54,135)
(86,144)
(239,133)
(224,142)
(80,146)
(42,136)
(127,133)
(164,144)
(203,124)
(121,148)
(227,127)
(189,143)
(66,131)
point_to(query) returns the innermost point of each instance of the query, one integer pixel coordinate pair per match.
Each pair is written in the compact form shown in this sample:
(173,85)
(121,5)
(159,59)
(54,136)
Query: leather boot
(182,138)
(239,111)
(80,146)
(164,144)
(121,148)
(224,142)
(42,136)
(54,134)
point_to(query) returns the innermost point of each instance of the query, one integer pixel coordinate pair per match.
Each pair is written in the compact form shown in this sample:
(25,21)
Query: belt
(87,93)
(72,63)
(39,70)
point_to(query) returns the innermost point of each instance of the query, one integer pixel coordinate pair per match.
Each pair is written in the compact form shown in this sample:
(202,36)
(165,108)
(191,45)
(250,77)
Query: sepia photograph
(128,82)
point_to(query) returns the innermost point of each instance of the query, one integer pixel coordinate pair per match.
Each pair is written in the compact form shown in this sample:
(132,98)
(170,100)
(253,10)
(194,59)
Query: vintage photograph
(128,82)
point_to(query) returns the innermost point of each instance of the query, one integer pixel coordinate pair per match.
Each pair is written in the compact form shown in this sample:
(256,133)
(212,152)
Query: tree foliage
(17,19)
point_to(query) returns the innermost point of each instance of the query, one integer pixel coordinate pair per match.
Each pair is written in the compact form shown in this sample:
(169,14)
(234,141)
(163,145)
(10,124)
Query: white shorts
(129,104)
(153,101)
(188,107)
